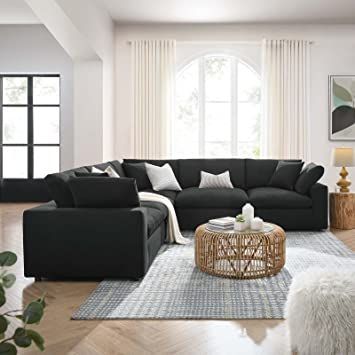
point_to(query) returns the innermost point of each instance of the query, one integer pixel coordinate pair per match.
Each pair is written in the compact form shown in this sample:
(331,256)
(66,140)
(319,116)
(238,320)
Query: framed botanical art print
(342,107)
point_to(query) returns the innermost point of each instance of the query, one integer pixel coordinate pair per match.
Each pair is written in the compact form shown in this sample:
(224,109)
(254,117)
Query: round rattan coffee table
(242,255)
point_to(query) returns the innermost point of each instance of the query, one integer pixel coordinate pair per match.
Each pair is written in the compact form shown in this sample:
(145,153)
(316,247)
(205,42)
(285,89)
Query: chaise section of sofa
(72,242)
(91,242)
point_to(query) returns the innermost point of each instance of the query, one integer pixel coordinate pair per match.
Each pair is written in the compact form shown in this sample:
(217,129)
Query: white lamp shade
(343,157)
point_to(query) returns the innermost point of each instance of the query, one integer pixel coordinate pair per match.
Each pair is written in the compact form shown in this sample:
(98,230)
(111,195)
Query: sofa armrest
(85,242)
(319,196)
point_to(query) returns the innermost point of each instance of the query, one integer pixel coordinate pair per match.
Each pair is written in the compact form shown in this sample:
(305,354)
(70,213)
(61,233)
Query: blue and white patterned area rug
(175,289)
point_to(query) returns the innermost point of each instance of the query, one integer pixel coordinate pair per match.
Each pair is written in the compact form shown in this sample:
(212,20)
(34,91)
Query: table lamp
(343,157)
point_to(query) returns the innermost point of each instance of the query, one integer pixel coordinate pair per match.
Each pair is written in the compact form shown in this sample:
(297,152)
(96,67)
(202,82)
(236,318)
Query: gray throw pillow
(309,176)
(286,174)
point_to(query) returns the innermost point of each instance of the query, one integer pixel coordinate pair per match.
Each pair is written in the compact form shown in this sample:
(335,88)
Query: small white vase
(240,226)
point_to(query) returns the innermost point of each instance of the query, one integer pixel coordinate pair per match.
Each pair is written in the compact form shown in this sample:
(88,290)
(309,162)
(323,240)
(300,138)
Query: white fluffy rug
(320,312)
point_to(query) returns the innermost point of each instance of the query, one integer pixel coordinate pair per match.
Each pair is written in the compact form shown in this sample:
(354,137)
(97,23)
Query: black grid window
(29,125)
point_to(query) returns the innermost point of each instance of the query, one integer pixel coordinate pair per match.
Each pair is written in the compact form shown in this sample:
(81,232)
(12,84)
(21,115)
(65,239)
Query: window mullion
(202,105)
(30,127)
(1,128)
(234,108)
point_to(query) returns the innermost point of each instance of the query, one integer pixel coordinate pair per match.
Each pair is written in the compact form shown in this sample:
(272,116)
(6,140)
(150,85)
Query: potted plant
(240,223)
(24,335)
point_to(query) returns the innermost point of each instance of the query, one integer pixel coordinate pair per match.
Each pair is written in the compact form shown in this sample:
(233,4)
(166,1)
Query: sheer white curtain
(153,63)
(285,80)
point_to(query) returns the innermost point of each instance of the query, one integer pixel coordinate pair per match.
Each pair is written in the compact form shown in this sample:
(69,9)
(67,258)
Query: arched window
(218,109)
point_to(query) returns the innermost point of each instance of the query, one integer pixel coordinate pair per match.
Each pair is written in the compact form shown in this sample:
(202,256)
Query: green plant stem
(7,340)
(12,311)
(8,313)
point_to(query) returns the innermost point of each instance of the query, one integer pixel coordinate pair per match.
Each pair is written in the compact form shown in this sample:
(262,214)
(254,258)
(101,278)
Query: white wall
(88,138)
(32,49)
(86,32)
(333,52)
(94,22)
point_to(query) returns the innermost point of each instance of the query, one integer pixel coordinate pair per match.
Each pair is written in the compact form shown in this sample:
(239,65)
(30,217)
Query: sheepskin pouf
(320,312)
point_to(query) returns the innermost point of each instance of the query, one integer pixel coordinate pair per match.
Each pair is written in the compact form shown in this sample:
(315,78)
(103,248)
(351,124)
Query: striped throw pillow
(220,181)
(162,177)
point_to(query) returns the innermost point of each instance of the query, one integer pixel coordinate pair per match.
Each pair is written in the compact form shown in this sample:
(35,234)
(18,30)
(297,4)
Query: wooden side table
(342,210)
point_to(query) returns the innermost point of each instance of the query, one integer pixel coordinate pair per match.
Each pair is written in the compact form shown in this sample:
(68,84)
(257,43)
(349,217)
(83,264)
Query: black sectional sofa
(72,242)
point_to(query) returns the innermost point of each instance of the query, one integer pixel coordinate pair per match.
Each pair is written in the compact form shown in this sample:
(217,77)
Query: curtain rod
(218,42)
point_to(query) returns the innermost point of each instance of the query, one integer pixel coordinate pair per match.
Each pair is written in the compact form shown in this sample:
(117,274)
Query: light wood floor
(64,336)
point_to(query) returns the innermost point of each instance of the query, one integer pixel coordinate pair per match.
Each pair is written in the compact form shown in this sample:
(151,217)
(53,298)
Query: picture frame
(341,90)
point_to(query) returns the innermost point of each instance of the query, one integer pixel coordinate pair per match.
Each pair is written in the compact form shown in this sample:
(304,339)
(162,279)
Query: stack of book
(220,224)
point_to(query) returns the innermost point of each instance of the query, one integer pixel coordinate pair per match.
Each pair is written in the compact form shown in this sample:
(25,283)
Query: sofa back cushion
(58,183)
(260,171)
(58,186)
(308,177)
(190,170)
(104,192)
(135,168)
(91,174)
(286,174)
(138,172)
(118,167)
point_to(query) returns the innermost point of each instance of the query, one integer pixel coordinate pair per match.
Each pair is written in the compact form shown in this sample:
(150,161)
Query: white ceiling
(206,11)
(16,12)
(232,11)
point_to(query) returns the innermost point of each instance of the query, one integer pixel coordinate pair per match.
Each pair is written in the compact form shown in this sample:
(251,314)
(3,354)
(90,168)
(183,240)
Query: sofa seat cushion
(274,197)
(171,195)
(157,205)
(193,197)
(156,213)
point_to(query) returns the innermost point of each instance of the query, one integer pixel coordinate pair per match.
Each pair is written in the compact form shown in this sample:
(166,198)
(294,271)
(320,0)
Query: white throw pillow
(215,181)
(162,177)
(109,171)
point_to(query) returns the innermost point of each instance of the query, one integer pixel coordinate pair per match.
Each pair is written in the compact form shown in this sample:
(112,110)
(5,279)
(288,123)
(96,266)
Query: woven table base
(241,255)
